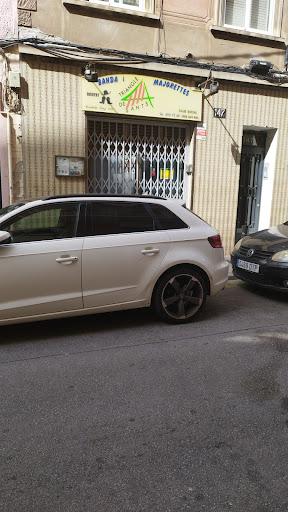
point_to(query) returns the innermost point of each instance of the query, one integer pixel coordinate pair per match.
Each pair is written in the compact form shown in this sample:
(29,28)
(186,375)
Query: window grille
(136,158)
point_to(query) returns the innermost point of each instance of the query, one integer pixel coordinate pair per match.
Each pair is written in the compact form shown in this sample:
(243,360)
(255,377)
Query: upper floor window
(139,5)
(250,15)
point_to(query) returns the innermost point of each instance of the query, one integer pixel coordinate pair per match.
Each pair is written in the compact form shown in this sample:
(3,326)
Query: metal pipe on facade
(9,144)
(190,168)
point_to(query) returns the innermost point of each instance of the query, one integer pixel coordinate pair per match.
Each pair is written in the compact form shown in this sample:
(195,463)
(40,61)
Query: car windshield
(10,208)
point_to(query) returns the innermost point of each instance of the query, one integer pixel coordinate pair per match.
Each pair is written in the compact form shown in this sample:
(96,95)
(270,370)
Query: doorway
(250,183)
(0,190)
(136,157)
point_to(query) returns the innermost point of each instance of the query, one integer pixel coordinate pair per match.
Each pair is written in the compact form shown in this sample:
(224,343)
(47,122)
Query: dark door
(0,190)
(250,183)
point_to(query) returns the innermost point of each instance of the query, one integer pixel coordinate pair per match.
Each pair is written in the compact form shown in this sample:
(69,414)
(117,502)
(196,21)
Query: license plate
(247,265)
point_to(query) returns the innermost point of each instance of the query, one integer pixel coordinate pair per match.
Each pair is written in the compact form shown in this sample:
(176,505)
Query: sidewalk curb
(231,276)
(234,281)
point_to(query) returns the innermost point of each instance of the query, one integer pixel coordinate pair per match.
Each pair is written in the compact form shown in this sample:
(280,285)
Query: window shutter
(259,17)
(135,3)
(235,13)
(149,6)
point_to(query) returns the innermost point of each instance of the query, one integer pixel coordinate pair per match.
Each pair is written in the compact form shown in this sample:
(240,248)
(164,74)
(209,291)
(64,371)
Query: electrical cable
(68,50)
(161,26)
(68,55)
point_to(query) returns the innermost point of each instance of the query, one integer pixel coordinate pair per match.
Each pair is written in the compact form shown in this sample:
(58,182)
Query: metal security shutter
(135,158)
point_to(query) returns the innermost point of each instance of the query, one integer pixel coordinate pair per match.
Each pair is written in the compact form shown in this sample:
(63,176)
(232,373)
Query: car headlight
(236,247)
(281,256)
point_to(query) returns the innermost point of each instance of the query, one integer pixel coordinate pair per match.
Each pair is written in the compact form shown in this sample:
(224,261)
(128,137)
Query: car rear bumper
(220,278)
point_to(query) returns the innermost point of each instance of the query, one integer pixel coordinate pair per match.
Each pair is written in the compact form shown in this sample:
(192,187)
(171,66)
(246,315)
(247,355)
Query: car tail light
(215,241)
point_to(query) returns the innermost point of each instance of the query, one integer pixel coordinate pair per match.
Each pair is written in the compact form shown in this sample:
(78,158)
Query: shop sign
(138,95)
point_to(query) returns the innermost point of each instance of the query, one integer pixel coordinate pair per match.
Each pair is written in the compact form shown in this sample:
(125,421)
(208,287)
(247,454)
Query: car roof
(112,197)
(106,196)
(177,206)
(118,197)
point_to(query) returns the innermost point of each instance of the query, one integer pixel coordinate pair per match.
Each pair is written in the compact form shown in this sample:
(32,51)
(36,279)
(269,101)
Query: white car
(75,255)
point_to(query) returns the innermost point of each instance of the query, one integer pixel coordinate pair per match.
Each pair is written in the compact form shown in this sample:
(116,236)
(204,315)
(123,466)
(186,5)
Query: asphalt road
(120,412)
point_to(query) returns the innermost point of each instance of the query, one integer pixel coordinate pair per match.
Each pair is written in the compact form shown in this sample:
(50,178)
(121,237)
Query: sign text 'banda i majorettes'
(146,96)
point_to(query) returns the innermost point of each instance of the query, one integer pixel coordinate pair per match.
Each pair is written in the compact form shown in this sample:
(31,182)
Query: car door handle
(66,260)
(150,252)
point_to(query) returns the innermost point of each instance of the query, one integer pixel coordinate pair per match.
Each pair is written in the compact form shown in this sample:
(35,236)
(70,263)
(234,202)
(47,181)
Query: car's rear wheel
(179,295)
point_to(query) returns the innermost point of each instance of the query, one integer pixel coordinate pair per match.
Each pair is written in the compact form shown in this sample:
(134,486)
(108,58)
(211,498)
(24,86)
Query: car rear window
(166,219)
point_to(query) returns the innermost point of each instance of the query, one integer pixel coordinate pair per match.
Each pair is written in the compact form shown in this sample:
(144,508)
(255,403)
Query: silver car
(73,255)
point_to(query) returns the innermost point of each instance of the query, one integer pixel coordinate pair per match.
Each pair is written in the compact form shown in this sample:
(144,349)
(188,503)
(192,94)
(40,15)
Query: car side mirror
(5,237)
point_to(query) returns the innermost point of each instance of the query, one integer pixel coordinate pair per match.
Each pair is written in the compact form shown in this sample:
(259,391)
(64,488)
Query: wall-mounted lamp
(90,75)
(214,86)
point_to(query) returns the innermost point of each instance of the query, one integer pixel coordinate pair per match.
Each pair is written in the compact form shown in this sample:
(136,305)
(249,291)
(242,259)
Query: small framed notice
(201,131)
(70,166)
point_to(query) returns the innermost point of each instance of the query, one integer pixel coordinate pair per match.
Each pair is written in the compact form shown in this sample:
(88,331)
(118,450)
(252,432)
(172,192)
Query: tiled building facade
(227,160)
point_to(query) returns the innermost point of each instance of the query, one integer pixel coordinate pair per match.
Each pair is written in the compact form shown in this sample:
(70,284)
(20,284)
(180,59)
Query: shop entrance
(136,157)
(250,183)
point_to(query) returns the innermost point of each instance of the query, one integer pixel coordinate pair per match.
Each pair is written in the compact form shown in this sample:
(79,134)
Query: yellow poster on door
(168,174)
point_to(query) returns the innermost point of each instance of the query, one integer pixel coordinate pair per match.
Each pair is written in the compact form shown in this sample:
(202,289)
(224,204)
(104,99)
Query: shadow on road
(77,325)
(234,299)
(274,295)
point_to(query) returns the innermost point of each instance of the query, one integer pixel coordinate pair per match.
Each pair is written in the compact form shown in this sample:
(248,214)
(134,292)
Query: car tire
(179,295)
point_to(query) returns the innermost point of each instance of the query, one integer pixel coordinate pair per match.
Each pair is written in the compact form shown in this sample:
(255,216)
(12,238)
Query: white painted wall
(8,19)
(8,30)
(268,179)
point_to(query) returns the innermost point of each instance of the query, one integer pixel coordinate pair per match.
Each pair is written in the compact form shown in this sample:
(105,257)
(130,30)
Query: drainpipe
(6,159)
(9,144)
(190,168)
